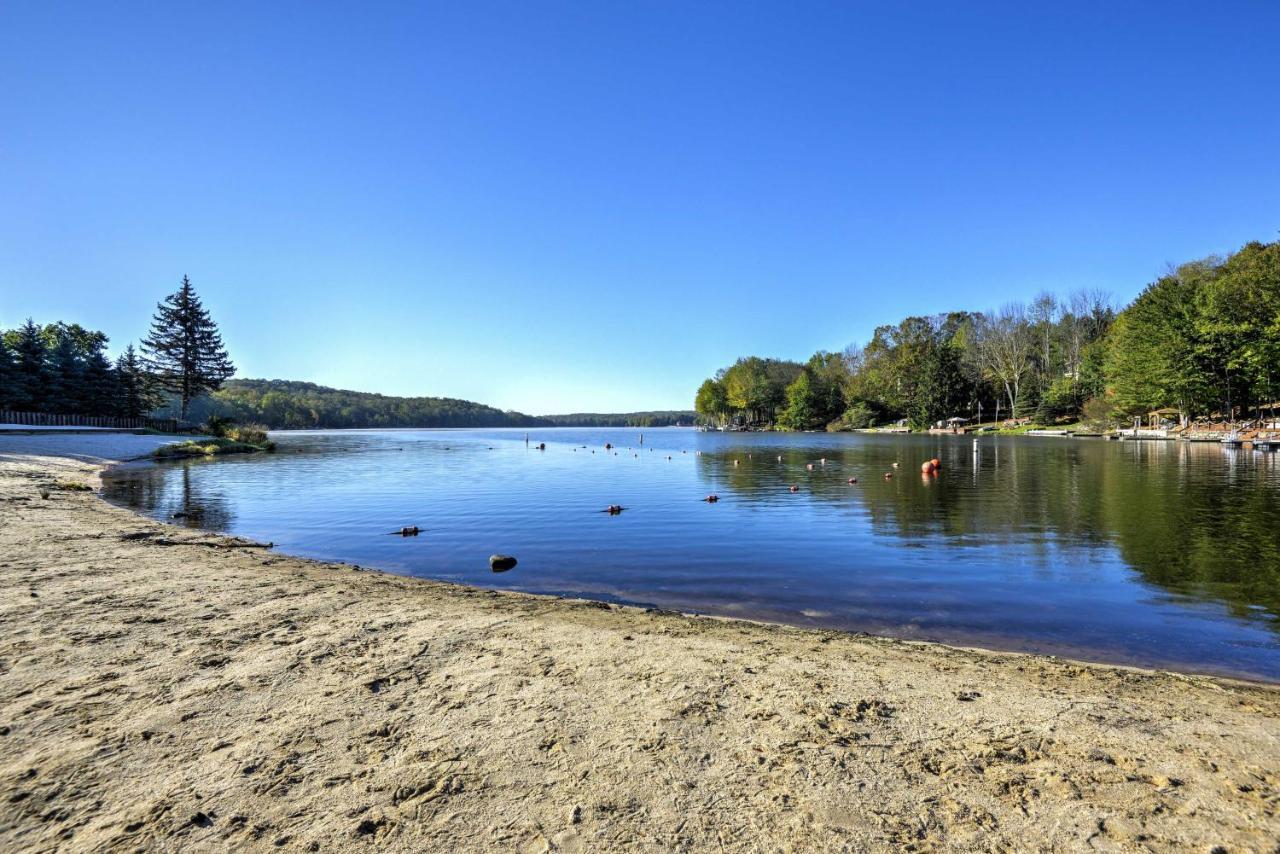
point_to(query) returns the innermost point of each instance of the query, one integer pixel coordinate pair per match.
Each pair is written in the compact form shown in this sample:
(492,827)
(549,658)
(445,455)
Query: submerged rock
(501,563)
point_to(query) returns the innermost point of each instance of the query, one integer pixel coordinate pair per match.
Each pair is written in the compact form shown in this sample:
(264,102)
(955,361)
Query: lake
(1150,553)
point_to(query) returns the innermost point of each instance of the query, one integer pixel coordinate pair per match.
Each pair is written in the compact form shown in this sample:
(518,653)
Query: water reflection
(1144,553)
(179,498)
(1193,518)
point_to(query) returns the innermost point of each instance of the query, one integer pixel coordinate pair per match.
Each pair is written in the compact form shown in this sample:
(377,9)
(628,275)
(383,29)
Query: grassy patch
(250,434)
(210,446)
(72,486)
(1025,428)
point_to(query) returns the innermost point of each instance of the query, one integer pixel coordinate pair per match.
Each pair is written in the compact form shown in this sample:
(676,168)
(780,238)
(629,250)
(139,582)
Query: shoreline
(971,636)
(1187,672)
(253,698)
(1079,657)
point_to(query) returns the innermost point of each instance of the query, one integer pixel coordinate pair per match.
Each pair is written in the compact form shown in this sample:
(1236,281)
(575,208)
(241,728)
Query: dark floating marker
(795,488)
(411,531)
(712,498)
(613,509)
(501,563)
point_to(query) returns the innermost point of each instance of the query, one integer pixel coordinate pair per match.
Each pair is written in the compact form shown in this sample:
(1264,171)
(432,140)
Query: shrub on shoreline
(250,434)
(210,447)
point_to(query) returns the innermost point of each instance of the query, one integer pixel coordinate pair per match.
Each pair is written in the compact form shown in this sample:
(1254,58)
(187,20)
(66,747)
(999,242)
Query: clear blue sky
(592,206)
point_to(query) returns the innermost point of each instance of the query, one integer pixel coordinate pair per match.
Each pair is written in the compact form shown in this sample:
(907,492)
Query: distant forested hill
(285,404)
(660,418)
(289,405)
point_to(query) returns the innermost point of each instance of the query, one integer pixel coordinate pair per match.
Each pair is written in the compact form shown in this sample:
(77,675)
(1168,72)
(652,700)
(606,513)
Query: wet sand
(167,689)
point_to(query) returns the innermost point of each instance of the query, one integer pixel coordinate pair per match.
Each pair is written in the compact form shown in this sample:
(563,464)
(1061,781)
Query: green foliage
(30,382)
(1060,400)
(208,447)
(801,412)
(1204,338)
(59,368)
(284,404)
(860,415)
(184,349)
(6,375)
(1096,415)
(750,390)
(137,394)
(712,400)
(1044,359)
(217,425)
(250,434)
(655,418)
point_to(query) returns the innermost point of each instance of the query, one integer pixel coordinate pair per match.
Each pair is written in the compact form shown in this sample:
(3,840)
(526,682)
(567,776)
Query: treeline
(288,405)
(1204,339)
(63,369)
(658,418)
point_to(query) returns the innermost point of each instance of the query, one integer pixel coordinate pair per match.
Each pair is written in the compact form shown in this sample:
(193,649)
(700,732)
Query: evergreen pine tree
(136,392)
(6,375)
(65,370)
(30,368)
(184,349)
(97,391)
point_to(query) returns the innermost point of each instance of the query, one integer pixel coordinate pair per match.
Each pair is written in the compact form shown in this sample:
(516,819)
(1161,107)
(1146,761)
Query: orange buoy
(936,463)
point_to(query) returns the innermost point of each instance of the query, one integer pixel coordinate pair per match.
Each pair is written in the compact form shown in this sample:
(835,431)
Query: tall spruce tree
(184,349)
(65,368)
(30,368)
(136,392)
(98,389)
(6,375)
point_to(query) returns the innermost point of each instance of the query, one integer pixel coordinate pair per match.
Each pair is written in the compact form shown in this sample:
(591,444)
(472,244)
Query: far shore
(165,688)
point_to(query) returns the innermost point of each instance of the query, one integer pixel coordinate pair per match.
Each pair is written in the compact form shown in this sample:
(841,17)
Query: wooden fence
(49,419)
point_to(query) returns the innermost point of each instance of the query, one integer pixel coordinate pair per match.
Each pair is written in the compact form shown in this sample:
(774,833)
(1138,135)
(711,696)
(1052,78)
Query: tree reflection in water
(1177,515)
(181,499)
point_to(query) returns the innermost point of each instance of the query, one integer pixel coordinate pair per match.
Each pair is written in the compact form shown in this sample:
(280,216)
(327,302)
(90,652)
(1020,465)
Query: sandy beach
(166,689)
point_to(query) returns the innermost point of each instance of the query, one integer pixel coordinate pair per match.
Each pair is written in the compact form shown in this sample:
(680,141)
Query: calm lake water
(1150,553)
